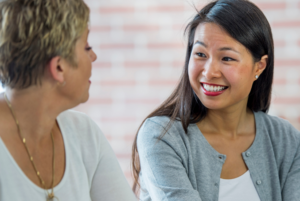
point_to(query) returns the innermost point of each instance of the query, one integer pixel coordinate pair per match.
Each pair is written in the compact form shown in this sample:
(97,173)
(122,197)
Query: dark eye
(199,54)
(228,59)
(88,48)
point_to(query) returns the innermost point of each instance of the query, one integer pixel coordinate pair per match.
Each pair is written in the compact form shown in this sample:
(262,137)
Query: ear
(261,65)
(56,69)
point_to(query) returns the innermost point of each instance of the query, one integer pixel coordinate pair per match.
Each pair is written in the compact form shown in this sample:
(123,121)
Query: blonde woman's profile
(48,152)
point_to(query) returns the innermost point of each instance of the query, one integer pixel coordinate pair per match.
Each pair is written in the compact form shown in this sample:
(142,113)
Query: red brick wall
(141,49)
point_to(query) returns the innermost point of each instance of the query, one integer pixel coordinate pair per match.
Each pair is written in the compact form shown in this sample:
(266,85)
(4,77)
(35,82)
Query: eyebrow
(200,43)
(221,49)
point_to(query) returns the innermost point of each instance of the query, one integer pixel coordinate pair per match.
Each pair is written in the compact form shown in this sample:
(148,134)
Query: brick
(287,23)
(154,101)
(165,45)
(271,5)
(128,174)
(100,101)
(98,64)
(103,28)
(123,155)
(286,100)
(141,28)
(287,62)
(279,43)
(164,9)
(164,82)
(117,9)
(131,9)
(109,137)
(117,46)
(140,64)
(179,27)
(279,81)
(117,82)
(118,119)
(129,137)
(178,64)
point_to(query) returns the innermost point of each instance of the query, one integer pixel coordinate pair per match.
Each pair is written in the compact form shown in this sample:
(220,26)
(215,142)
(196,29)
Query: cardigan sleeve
(291,190)
(162,172)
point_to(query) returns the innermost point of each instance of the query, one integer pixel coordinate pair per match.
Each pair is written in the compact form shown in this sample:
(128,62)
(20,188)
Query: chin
(213,104)
(85,98)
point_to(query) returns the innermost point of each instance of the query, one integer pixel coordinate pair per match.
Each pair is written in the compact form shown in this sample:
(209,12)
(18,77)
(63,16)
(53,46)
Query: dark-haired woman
(212,139)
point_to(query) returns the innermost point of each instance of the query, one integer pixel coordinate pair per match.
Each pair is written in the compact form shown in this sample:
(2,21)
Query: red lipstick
(212,93)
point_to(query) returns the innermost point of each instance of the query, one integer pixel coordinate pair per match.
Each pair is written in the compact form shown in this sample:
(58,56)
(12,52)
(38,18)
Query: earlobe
(56,69)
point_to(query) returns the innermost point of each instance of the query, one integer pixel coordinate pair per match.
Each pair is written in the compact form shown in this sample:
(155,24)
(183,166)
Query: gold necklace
(50,196)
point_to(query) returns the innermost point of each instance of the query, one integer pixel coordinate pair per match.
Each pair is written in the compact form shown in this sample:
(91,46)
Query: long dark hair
(244,22)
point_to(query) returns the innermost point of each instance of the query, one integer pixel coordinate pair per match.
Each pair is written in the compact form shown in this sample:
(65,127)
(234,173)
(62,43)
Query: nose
(93,55)
(211,70)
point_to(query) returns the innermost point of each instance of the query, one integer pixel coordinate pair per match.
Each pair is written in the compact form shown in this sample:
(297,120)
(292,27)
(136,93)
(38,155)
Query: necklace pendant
(50,196)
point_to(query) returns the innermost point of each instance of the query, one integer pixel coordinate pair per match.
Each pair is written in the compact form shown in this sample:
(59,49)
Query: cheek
(240,79)
(85,65)
(232,76)
(194,71)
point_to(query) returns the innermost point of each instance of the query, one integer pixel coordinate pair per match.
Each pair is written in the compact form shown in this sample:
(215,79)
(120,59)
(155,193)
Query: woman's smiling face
(221,70)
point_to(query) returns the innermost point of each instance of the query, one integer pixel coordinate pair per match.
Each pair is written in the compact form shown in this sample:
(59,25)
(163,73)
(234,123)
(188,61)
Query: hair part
(32,32)
(244,22)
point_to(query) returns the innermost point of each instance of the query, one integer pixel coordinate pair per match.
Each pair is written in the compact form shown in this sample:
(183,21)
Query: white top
(92,171)
(240,188)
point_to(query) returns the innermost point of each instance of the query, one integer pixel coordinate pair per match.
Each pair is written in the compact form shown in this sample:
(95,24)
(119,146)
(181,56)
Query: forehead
(214,35)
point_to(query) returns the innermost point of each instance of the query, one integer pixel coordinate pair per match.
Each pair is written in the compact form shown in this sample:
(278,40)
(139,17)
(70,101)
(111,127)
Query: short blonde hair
(32,32)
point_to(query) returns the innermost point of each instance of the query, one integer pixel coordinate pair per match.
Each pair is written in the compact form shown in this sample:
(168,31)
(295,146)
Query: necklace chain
(51,194)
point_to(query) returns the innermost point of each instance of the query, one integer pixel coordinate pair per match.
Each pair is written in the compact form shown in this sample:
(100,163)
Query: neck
(36,109)
(231,121)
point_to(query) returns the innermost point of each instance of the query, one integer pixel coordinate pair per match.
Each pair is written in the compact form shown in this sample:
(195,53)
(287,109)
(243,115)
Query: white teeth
(213,88)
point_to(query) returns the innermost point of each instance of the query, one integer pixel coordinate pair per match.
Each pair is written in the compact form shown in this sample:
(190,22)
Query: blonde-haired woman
(47,152)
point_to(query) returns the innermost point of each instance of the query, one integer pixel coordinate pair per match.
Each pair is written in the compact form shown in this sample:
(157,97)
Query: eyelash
(199,54)
(88,48)
(230,59)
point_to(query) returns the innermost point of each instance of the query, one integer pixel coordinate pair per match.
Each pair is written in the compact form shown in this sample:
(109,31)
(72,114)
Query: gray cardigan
(184,167)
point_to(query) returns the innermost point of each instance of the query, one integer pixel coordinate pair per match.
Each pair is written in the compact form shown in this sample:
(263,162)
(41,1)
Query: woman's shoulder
(75,120)
(279,129)
(276,123)
(74,116)
(158,124)
(81,130)
(159,130)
